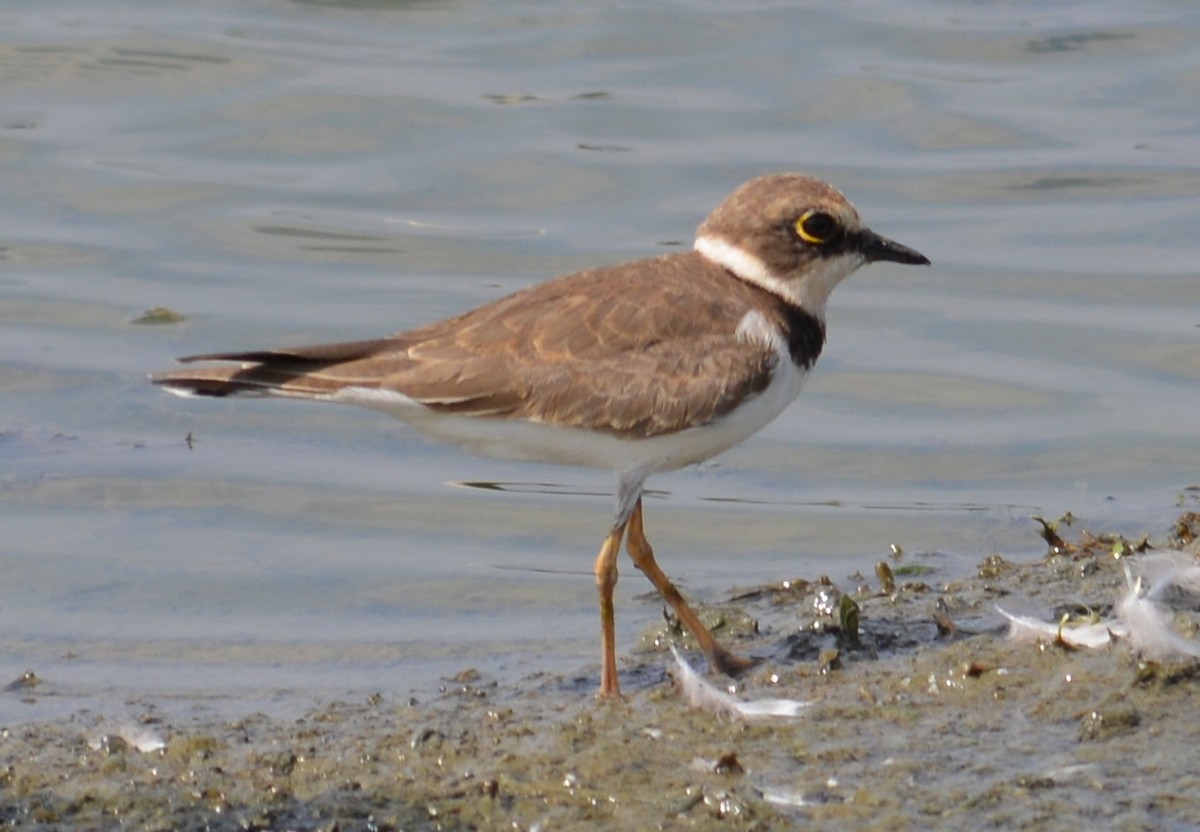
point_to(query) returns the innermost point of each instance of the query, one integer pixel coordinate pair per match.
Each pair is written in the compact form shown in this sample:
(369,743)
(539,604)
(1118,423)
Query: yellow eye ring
(815,227)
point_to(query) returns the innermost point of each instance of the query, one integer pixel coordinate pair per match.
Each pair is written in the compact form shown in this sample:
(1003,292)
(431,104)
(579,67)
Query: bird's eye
(816,227)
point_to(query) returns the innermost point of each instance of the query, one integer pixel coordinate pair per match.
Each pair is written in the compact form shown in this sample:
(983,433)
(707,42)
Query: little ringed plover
(636,368)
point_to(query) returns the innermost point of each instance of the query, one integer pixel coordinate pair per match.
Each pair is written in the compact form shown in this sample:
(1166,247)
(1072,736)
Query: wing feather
(586,351)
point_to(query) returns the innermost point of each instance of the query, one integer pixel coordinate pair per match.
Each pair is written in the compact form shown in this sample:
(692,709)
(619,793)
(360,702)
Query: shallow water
(283,173)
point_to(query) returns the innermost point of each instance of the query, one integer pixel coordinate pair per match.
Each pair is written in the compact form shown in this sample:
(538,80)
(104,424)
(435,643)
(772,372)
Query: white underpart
(518,439)
(633,459)
(809,292)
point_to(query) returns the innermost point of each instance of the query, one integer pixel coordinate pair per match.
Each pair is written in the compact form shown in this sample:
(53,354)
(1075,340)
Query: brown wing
(640,349)
(663,389)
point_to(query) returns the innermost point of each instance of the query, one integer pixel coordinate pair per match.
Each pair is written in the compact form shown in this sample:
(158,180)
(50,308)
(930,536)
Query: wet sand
(929,717)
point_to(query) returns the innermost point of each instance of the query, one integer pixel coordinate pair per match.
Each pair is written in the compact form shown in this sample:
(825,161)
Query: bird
(636,368)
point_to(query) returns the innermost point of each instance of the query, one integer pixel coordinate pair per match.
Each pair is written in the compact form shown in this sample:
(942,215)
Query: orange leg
(643,558)
(606,581)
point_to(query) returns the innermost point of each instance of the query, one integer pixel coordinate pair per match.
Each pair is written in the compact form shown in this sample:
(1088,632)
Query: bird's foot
(730,664)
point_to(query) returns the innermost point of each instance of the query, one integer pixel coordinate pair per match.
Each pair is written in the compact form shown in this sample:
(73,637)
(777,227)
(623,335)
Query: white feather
(1028,628)
(707,697)
(1139,620)
(1149,631)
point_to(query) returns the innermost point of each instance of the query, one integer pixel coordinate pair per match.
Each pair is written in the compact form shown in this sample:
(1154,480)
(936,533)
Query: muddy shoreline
(925,716)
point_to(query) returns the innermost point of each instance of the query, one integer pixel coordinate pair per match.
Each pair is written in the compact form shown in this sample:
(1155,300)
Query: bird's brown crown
(795,236)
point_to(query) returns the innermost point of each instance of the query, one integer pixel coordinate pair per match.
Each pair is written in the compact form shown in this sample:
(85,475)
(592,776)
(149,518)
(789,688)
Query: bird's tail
(212,381)
(304,373)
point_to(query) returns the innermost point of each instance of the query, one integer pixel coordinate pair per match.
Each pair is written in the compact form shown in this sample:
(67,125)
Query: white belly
(535,442)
